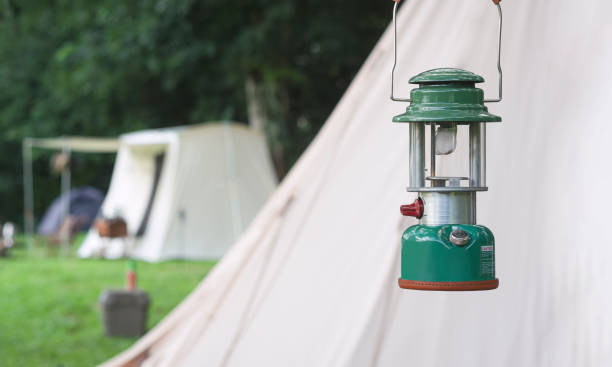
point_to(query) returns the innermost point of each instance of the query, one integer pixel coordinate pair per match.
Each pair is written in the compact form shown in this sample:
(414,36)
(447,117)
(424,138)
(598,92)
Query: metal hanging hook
(499,41)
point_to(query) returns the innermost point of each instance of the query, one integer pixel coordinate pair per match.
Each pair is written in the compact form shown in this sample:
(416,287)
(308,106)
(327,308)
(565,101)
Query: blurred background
(108,67)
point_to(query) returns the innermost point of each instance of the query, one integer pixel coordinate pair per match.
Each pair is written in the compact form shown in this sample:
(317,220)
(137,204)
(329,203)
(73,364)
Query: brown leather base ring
(481,285)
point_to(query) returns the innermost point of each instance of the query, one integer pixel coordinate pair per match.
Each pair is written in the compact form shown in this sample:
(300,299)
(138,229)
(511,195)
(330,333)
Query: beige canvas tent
(185,192)
(312,282)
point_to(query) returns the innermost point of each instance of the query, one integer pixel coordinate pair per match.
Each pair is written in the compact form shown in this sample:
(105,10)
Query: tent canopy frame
(67,145)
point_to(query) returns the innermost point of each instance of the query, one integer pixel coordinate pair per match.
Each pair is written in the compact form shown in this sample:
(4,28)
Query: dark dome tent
(83,204)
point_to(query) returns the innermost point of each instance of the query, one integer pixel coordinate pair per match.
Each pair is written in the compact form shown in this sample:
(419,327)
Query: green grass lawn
(49,314)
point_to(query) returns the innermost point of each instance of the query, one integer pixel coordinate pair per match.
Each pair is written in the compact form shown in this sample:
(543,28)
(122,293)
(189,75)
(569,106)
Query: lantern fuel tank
(447,250)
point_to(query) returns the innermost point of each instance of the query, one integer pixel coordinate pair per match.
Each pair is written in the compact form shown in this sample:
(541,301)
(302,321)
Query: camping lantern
(447,250)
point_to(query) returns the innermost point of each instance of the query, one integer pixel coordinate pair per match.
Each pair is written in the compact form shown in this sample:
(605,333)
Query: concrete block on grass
(124,312)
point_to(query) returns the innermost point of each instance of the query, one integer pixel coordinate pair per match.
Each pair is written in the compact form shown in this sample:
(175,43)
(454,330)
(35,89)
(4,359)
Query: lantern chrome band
(457,207)
(446,189)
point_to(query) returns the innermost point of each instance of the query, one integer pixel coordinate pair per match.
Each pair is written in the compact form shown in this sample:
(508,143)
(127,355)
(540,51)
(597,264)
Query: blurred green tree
(106,67)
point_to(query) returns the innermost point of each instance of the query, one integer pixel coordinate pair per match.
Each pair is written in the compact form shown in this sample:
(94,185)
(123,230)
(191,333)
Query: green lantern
(447,250)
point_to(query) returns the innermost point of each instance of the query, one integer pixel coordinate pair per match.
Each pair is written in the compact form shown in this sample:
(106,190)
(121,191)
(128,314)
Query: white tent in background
(185,192)
(313,281)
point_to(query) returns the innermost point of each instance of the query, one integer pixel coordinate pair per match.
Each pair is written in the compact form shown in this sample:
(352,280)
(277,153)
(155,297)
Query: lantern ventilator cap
(447,96)
(443,75)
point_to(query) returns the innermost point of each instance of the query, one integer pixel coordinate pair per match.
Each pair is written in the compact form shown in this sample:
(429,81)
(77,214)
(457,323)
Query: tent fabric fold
(313,280)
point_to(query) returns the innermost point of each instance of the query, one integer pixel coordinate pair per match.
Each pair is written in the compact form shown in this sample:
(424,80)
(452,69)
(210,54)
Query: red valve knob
(413,210)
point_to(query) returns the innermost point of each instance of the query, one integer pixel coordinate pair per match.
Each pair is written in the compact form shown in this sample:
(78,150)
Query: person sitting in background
(7,241)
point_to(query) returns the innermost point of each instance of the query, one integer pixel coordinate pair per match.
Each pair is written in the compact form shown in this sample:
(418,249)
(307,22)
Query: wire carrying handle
(499,40)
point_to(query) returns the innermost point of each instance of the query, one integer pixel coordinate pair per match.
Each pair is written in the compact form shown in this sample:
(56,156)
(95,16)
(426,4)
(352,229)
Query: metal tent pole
(65,194)
(28,192)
